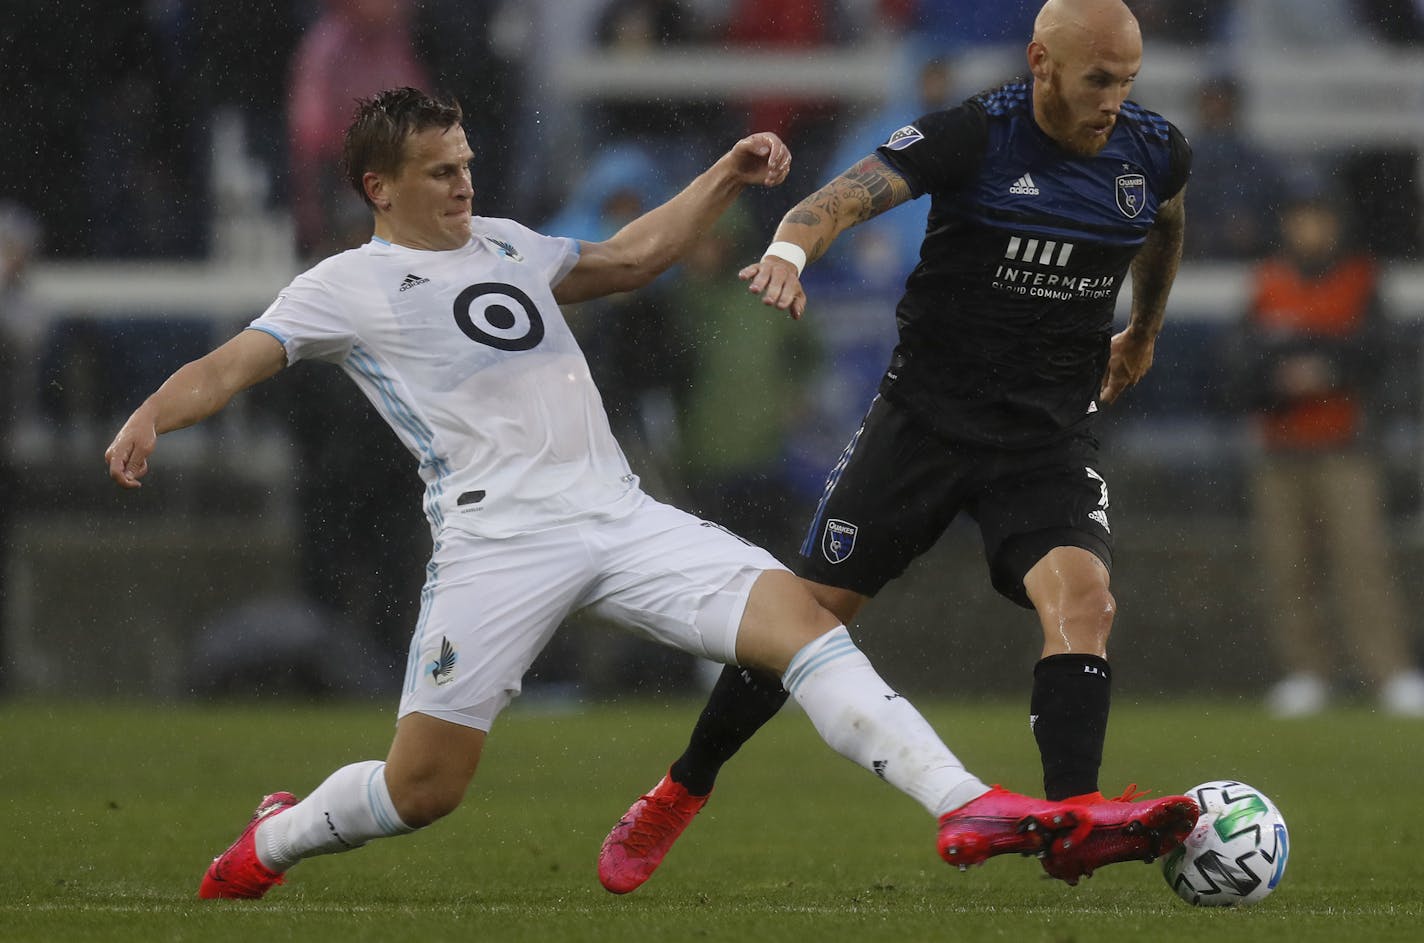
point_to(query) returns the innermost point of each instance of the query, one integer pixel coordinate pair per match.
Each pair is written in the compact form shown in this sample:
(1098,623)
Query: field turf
(110,814)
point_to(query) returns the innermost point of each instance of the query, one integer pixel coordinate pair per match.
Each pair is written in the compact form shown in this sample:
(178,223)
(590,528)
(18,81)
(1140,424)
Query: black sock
(741,702)
(1069,714)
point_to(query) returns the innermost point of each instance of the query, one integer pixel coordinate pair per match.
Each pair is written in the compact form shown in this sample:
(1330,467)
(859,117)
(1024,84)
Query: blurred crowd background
(170,164)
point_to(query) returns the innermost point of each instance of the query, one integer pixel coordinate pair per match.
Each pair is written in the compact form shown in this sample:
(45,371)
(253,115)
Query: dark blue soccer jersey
(1006,321)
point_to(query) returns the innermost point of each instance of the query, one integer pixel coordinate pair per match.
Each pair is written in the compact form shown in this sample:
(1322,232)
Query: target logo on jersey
(499,315)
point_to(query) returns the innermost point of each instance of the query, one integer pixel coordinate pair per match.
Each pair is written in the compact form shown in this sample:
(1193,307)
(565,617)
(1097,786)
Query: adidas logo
(411,281)
(1024,186)
(1102,519)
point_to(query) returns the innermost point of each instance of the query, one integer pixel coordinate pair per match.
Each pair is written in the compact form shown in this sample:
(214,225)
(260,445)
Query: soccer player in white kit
(450,324)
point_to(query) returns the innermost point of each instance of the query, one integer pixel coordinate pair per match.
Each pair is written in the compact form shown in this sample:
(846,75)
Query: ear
(377,189)
(1038,61)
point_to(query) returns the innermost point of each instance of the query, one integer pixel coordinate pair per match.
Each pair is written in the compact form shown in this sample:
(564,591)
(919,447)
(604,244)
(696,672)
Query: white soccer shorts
(489,606)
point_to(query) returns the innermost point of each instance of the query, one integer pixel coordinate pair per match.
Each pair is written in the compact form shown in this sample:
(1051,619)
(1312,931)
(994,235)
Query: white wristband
(789,251)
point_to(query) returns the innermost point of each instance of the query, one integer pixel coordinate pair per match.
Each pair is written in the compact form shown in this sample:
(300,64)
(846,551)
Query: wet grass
(112,812)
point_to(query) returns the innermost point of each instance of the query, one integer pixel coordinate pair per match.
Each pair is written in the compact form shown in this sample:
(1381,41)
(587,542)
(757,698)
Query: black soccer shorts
(897,487)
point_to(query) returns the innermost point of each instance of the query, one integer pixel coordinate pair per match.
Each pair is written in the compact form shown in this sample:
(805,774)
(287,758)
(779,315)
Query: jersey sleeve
(940,151)
(1179,163)
(307,323)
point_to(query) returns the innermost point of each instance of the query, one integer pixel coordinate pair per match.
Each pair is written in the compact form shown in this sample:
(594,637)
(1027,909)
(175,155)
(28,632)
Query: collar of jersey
(377,240)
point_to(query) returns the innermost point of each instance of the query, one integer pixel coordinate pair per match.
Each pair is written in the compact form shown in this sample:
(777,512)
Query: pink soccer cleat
(1001,822)
(1122,830)
(237,872)
(643,837)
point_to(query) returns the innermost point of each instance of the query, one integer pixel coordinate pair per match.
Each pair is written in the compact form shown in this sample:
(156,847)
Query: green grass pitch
(111,813)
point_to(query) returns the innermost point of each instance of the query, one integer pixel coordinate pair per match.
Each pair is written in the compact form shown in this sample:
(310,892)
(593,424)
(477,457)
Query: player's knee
(1100,605)
(1082,617)
(781,617)
(1090,614)
(844,604)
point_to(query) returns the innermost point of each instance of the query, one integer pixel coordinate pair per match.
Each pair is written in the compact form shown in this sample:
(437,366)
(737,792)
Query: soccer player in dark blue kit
(1044,193)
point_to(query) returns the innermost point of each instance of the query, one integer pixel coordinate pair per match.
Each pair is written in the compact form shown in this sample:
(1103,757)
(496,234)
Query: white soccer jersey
(467,356)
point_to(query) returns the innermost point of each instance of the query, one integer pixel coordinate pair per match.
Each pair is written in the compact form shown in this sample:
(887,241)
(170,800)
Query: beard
(1066,132)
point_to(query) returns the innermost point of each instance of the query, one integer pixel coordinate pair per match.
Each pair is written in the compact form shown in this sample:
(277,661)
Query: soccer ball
(1237,852)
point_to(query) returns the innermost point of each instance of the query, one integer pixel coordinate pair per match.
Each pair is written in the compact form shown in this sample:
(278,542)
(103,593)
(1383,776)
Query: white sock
(862,719)
(352,807)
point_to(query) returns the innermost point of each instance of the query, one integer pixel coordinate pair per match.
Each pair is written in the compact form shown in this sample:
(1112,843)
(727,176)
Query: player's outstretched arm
(650,244)
(193,393)
(864,191)
(1153,271)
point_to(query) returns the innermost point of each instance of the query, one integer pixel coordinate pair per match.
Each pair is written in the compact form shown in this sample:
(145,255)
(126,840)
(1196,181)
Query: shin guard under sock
(866,721)
(1069,716)
(349,809)
(742,701)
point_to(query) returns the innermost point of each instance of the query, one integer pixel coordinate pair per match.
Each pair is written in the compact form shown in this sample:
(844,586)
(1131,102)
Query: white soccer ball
(1236,854)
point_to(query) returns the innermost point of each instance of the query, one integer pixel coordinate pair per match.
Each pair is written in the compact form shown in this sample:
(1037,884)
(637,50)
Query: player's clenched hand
(127,456)
(1128,362)
(761,158)
(778,283)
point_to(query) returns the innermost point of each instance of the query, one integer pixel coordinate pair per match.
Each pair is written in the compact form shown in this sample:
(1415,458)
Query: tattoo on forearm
(1155,267)
(883,188)
(868,189)
(803,215)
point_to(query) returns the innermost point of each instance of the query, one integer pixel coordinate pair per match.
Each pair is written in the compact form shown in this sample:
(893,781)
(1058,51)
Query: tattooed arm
(1153,271)
(864,191)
